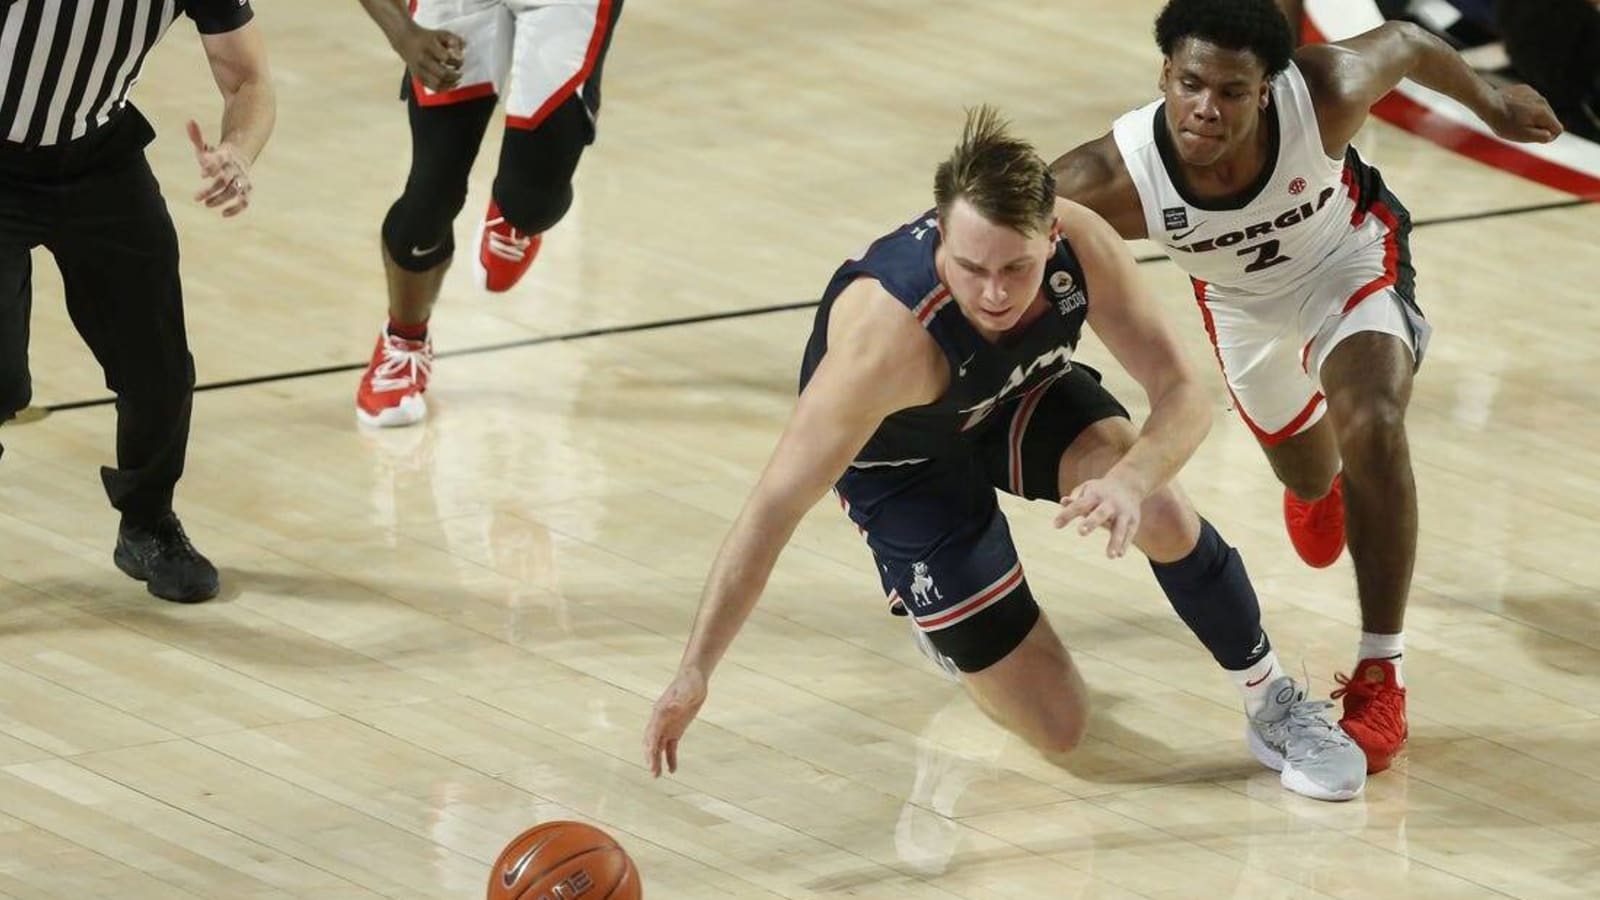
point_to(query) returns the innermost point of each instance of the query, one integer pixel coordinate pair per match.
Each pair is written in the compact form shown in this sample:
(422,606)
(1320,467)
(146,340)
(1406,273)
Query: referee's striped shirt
(66,65)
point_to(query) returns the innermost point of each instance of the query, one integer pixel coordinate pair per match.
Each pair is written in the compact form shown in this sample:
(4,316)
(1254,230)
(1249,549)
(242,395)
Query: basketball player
(939,369)
(546,58)
(1243,173)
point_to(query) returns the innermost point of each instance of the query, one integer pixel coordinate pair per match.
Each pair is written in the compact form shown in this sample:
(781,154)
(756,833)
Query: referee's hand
(226,174)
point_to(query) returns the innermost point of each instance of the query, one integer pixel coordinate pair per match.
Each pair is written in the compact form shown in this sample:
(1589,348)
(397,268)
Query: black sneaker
(162,557)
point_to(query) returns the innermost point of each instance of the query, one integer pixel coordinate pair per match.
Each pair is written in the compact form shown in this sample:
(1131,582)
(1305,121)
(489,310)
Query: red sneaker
(391,389)
(504,253)
(1374,711)
(1316,528)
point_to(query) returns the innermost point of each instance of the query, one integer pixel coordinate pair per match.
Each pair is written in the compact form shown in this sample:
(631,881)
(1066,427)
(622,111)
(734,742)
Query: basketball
(563,861)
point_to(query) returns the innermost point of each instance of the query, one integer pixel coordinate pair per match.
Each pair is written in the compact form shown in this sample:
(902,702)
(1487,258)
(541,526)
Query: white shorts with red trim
(1272,348)
(535,53)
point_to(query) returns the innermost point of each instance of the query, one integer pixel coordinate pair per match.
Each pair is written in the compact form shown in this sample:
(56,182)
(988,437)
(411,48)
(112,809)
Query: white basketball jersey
(1273,235)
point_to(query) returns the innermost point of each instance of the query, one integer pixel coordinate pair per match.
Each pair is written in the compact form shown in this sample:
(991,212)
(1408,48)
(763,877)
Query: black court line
(469,351)
(749,312)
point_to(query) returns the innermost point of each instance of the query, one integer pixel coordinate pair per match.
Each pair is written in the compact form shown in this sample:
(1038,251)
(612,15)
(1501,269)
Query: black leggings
(532,187)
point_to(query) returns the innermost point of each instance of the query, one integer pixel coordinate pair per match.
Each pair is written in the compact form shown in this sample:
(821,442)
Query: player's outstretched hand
(1522,114)
(670,718)
(1103,503)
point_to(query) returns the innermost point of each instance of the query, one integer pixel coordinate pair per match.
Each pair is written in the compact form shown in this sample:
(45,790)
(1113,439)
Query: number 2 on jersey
(1266,256)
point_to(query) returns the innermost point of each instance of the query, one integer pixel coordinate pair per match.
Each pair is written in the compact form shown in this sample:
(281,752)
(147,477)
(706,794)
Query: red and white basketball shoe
(504,253)
(391,389)
(1374,711)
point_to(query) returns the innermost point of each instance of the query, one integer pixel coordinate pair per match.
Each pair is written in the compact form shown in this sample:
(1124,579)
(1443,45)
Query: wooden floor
(432,638)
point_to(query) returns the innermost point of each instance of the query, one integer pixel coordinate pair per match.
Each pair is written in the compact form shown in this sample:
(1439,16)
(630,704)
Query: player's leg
(1073,431)
(946,560)
(1367,371)
(1368,378)
(417,242)
(1035,690)
(417,245)
(552,105)
(1363,351)
(1260,351)
(532,192)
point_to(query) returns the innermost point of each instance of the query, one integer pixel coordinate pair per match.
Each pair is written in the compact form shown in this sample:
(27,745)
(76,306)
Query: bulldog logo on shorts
(923,590)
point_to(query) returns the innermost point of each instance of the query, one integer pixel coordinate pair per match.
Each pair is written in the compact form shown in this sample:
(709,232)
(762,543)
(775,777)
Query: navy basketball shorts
(941,544)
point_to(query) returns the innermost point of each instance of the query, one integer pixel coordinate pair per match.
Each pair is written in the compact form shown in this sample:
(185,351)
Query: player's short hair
(1002,177)
(1254,25)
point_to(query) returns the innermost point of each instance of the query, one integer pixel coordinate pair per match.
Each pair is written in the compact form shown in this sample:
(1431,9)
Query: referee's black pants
(112,239)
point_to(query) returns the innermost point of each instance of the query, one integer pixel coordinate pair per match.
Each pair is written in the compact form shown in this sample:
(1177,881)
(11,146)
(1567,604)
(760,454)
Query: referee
(73,179)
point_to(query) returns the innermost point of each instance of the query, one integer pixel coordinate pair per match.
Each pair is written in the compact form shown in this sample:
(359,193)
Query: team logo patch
(1297,186)
(1175,217)
(923,590)
(1061,282)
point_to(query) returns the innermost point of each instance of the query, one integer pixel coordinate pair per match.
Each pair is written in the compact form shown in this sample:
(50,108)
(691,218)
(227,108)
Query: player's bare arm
(1346,78)
(1129,322)
(866,374)
(1093,175)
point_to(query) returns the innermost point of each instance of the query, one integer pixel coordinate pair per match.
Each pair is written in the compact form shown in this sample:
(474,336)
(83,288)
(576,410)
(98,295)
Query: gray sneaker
(1315,756)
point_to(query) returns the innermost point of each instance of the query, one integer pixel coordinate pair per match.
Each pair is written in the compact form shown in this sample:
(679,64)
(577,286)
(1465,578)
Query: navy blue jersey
(984,376)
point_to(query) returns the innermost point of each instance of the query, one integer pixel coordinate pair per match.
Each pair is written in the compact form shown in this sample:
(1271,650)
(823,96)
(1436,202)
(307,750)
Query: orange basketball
(564,861)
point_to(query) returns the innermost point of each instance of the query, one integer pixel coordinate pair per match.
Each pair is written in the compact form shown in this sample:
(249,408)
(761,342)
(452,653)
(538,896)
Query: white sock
(1388,647)
(1254,681)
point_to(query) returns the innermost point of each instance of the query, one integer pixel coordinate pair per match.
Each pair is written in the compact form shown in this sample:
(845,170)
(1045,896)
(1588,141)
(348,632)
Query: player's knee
(1168,524)
(531,203)
(416,230)
(1372,432)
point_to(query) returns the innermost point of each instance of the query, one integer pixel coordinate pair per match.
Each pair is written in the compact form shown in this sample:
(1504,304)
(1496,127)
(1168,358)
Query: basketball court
(431,638)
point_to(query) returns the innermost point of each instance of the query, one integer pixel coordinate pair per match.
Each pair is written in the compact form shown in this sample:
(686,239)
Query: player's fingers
(1121,533)
(1073,509)
(672,756)
(430,73)
(440,55)
(1098,517)
(238,207)
(652,743)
